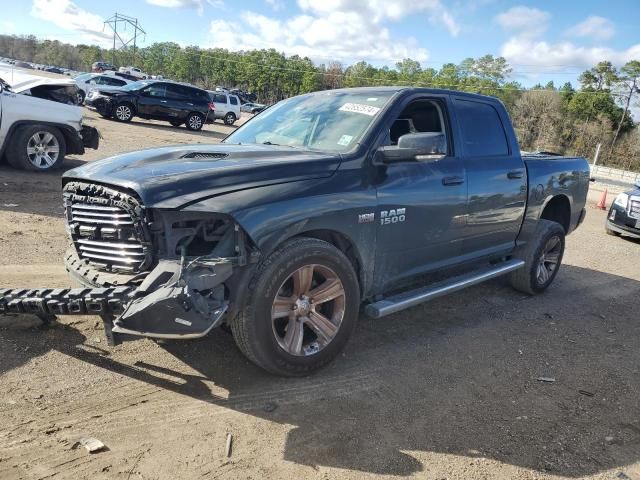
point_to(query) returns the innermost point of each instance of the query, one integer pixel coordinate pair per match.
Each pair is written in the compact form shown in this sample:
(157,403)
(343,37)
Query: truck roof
(424,90)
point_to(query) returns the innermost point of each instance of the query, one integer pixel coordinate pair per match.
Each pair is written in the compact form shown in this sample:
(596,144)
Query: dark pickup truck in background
(382,197)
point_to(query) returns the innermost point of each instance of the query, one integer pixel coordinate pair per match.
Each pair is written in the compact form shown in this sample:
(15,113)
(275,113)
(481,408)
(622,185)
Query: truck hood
(28,83)
(174,177)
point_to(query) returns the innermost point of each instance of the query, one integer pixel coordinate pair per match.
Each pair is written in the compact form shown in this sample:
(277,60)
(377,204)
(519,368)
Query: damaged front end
(177,301)
(147,272)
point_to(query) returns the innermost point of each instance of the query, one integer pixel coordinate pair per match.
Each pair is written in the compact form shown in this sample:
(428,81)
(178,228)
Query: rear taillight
(211,106)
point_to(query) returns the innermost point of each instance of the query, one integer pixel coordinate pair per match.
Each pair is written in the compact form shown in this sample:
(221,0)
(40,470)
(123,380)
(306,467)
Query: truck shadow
(454,377)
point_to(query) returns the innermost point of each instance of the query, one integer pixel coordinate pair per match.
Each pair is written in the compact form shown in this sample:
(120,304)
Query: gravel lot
(444,390)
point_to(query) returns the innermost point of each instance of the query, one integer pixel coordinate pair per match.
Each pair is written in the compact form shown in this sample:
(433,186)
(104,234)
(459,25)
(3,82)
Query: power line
(344,74)
(379,81)
(113,22)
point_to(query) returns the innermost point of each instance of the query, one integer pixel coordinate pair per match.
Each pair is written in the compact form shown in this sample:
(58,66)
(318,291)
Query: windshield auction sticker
(360,108)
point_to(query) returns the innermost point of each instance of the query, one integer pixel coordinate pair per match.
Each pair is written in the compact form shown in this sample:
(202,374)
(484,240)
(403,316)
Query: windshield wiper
(269,143)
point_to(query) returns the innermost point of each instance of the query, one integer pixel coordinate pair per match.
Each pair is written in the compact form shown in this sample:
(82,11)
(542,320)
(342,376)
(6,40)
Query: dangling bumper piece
(173,301)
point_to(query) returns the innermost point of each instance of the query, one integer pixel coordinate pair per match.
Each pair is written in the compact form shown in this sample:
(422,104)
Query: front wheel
(301,308)
(542,256)
(194,122)
(37,148)
(123,112)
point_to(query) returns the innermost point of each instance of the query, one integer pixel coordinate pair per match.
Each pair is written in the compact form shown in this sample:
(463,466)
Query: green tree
(628,82)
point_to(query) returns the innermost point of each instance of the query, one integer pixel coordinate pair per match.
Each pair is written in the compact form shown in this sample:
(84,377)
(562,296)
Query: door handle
(163,101)
(515,174)
(448,181)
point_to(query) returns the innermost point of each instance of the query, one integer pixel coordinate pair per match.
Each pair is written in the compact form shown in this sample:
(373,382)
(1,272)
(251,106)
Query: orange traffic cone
(602,203)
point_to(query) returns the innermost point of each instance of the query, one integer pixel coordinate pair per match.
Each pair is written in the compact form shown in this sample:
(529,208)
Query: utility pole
(119,19)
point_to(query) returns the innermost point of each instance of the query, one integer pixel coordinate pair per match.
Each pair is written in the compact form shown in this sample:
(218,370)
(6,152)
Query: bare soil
(445,390)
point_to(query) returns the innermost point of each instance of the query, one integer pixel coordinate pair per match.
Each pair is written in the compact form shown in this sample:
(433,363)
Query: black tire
(18,155)
(81,97)
(254,328)
(123,112)
(529,278)
(229,118)
(194,122)
(175,123)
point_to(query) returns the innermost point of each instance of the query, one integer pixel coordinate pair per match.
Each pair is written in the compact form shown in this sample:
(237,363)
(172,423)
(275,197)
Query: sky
(541,40)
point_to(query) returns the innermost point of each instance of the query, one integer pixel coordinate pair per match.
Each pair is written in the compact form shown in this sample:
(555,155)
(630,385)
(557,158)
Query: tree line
(566,119)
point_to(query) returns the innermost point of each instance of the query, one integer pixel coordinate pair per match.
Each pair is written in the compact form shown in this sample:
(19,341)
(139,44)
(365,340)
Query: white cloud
(343,30)
(526,47)
(524,21)
(594,27)
(547,56)
(67,15)
(197,4)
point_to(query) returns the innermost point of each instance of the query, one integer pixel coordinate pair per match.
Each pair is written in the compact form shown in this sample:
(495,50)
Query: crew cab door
(421,204)
(496,177)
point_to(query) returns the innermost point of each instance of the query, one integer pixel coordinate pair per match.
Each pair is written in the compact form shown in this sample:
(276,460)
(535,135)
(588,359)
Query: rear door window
(481,129)
(219,98)
(176,92)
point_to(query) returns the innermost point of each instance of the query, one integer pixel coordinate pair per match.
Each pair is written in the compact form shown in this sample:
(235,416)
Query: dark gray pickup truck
(380,198)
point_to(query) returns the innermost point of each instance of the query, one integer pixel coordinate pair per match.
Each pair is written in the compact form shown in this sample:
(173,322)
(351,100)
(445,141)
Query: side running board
(420,295)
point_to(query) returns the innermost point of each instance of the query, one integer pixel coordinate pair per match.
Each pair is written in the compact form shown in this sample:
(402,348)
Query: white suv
(226,106)
(94,81)
(36,133)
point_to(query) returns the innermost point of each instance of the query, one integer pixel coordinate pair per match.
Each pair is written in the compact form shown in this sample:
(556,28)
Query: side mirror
(426,146)
(1,87)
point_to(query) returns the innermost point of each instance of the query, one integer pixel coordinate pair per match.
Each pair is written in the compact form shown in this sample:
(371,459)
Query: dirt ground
(447,390)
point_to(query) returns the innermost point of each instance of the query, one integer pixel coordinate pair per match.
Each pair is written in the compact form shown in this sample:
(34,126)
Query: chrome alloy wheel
(123,112)
(43,149)
(195,122)
(549,260)
(308,310)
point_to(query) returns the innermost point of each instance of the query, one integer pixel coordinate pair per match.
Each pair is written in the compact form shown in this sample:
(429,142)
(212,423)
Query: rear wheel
(36,147)
(300,310)
(194,122)
(123,112)
(230,118)
(542,257)
(81,96)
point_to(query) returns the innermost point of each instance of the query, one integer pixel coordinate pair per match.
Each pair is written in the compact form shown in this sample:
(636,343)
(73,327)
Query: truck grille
(104,231)
(634,207)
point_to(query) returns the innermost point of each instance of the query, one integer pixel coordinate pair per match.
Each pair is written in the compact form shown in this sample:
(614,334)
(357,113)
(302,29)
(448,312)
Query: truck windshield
(327,121)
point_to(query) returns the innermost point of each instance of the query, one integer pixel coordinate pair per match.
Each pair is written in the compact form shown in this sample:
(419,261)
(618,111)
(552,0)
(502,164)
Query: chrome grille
(634,207)
(106,236)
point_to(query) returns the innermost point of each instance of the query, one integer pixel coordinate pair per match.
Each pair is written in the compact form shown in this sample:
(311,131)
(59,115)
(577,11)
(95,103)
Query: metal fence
(609,173)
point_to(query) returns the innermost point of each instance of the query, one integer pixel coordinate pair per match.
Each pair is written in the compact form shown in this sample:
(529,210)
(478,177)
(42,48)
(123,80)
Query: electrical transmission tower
(123,21)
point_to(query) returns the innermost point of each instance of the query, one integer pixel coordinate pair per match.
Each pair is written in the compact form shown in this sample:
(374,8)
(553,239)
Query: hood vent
(205,155)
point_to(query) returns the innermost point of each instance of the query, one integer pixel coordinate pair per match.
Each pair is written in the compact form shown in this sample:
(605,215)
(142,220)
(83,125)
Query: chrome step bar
(420,295)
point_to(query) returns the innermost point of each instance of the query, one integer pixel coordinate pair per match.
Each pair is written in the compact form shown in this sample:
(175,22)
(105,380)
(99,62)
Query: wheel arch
(343,243)
(558,209)
(73,142)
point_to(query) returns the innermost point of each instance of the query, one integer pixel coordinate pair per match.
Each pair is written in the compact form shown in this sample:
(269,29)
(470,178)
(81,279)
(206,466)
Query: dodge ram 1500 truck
(326,202)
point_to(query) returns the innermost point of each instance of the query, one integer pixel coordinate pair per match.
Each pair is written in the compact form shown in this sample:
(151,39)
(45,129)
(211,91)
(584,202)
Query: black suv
(156,100)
